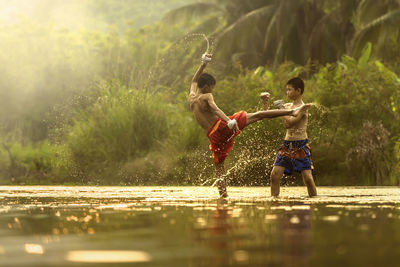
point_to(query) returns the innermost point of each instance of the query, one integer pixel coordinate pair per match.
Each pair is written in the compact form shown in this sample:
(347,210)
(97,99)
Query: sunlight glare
(107,256)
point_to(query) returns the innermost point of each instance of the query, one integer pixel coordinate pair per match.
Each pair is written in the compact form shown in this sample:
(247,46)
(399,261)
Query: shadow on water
(189,226)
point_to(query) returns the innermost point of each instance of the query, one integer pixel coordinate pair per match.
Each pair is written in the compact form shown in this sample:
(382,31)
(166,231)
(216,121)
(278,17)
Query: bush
(121,125)
(356,96)
(33,163)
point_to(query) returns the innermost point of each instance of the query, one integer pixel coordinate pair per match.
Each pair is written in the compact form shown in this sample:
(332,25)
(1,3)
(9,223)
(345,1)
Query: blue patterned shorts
(294,156)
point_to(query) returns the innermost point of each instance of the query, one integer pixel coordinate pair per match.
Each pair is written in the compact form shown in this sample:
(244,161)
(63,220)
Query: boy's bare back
(204,115)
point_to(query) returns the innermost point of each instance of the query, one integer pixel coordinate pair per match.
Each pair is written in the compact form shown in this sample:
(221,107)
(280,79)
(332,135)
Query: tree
(270,32)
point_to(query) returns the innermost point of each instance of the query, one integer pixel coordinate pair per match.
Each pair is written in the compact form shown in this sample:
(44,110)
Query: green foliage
(136,12)
(394,177)
(32,163)
(356,94)
(351,125)
(263,32)
(42,66)
(365,55)
(47,71)
(111,107)
(121,125)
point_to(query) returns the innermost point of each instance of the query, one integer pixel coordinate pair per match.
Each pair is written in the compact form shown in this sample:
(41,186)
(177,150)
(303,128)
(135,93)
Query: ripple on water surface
(181,226)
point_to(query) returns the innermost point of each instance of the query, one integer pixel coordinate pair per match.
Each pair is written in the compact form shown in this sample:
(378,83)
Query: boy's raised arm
(204,60)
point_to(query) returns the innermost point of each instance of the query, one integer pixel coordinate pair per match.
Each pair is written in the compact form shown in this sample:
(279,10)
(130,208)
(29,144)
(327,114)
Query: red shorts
(221,137)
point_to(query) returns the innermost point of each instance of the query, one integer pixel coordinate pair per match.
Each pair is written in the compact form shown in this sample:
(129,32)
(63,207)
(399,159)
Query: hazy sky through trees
(92,14)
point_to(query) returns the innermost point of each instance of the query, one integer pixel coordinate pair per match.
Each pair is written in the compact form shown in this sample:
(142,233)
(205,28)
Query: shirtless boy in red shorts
(220,128)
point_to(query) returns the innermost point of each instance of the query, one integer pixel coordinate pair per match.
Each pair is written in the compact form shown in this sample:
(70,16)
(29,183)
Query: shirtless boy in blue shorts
(295,152)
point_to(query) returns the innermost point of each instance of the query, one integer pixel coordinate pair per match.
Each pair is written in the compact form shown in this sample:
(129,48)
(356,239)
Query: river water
(190,226)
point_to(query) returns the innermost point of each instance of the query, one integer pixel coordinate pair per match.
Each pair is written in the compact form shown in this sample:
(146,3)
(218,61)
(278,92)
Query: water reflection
(33,249)
(220,227)
(278,234)
(220,235)
(184,227)
(294,228)
(107,256)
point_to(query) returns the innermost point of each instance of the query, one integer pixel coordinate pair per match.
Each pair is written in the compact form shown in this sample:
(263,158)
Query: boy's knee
(274,173)
(308,179)
(275,177)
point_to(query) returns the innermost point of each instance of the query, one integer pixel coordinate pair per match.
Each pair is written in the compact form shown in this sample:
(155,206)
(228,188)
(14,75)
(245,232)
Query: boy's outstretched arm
(204,60)
(290,121)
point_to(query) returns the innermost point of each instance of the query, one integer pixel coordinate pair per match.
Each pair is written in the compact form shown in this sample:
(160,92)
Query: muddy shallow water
(190,226)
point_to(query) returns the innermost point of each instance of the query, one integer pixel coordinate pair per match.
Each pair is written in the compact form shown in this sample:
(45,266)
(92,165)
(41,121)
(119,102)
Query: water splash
(205,37)
(182,46)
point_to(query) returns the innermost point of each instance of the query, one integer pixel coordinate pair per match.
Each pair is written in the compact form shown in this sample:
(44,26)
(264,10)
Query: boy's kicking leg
(309,182)
(269,114)
(276,175)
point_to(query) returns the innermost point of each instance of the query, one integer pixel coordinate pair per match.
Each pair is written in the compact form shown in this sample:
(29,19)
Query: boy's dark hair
(296,83)
(205,79)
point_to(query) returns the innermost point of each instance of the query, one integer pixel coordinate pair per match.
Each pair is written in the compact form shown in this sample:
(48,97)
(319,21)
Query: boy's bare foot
(302,108)
(223,194)
(264,97)
(265,100)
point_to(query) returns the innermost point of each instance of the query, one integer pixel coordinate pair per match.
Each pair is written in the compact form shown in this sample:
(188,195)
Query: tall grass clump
(121,126)
(32,163)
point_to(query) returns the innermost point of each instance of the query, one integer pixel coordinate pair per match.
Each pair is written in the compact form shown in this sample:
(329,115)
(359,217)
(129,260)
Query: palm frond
(248,20)
(245,33)
(369,10)
(249,59)
(187,12)
(238,8)
(271,34)
(290,33)
(363,10)
(329,38)
(280,27)
(209,26)
(371,31)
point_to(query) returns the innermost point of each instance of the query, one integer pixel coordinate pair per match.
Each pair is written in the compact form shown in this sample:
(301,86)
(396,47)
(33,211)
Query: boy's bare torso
(201,110)
(298,131)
